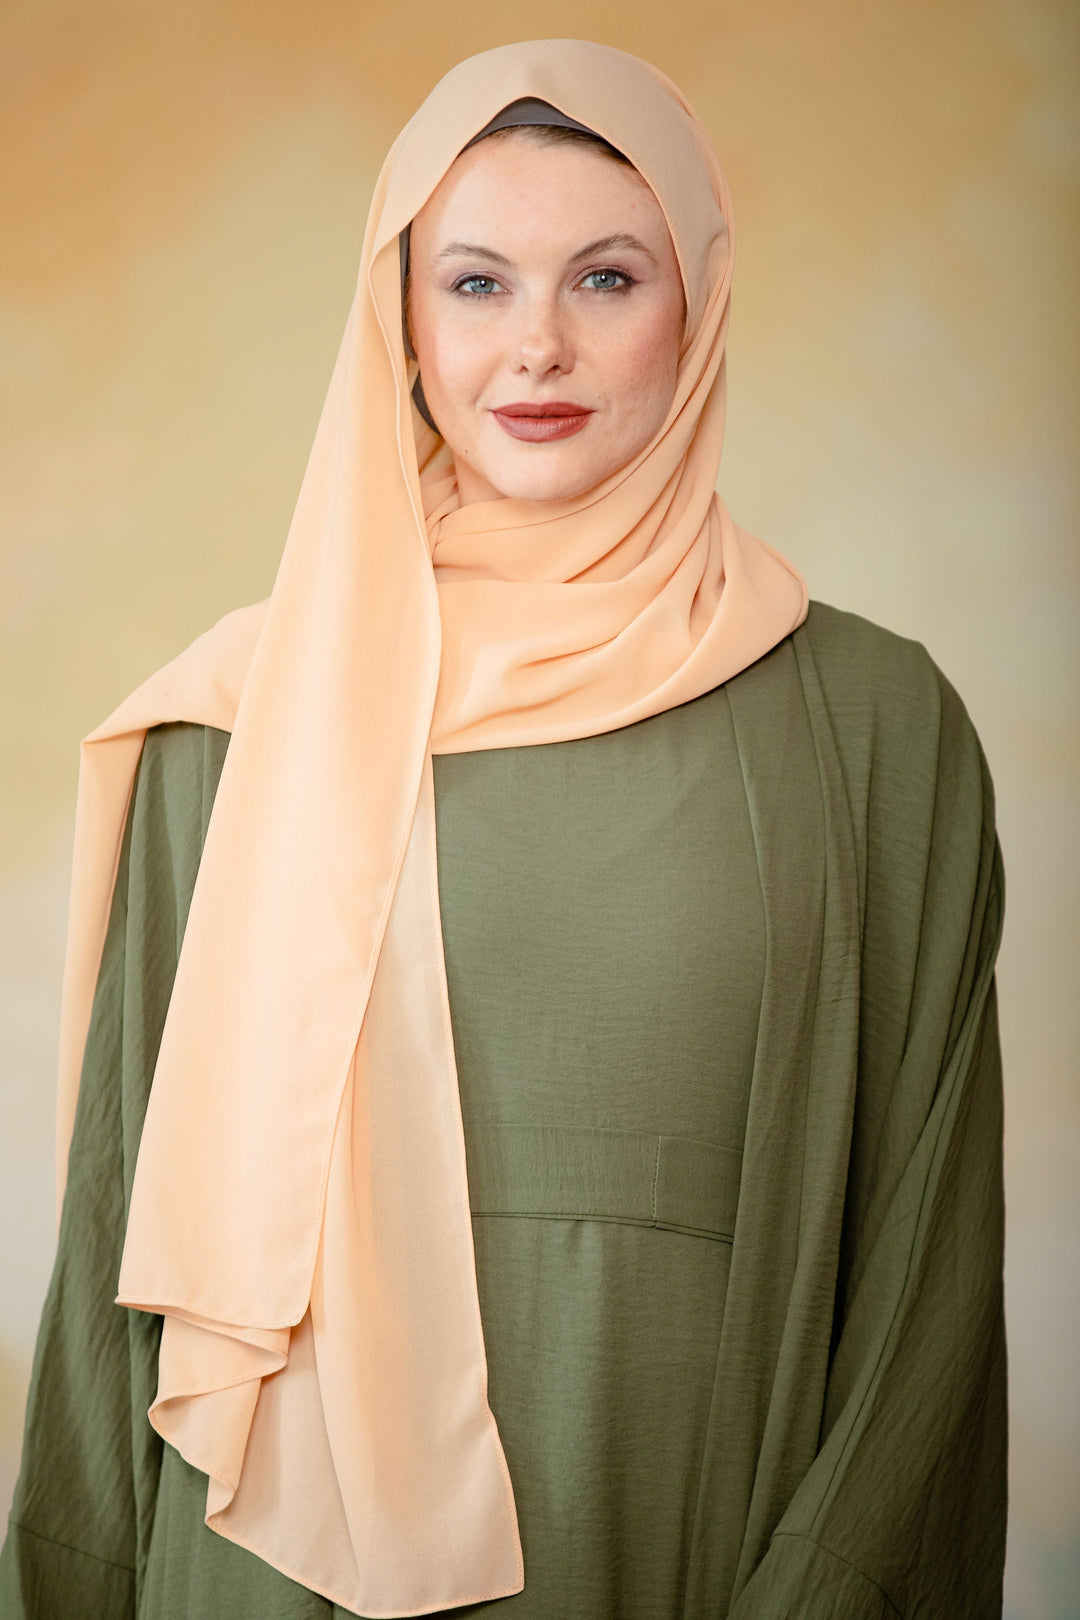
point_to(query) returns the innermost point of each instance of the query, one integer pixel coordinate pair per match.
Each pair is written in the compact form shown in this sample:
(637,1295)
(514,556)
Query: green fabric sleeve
(79,1524)
(902,1512)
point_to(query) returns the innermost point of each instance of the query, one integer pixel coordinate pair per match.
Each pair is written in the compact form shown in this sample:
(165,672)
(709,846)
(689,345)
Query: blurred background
(184,192)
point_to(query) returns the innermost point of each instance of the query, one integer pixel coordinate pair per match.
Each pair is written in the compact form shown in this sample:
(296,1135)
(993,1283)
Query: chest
(603,927)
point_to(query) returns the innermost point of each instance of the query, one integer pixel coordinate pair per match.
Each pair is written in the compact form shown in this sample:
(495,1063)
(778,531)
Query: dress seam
(644,1223)
(80,1551)
(819,1546)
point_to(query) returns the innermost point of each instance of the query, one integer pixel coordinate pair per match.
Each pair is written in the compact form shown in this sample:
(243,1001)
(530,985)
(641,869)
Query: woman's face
(546,310)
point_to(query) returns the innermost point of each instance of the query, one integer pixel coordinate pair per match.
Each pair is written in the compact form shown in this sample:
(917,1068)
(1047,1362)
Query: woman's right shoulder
(201,685)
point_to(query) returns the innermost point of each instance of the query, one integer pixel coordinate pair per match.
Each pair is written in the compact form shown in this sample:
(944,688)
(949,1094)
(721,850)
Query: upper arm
(79,1522)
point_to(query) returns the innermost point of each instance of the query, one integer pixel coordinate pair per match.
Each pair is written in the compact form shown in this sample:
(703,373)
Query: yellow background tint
(184,189)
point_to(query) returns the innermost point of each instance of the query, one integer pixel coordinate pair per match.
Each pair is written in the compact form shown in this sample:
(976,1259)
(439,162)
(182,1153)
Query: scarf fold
(300,1212)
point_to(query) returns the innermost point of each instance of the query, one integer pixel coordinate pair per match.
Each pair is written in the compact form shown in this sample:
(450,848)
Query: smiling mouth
(538,424)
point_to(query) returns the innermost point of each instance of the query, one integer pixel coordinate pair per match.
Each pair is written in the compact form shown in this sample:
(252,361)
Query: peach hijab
(300,1212)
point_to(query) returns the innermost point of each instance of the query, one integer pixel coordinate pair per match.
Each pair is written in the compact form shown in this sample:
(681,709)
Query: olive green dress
(722,1001)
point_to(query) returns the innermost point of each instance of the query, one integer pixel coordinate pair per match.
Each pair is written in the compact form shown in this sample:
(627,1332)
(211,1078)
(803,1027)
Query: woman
(570,1182)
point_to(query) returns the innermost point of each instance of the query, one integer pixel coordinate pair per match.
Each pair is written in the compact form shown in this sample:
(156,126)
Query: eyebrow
(603,244)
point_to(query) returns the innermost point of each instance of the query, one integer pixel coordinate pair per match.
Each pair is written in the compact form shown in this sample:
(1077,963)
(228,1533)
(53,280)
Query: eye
(476,286)
(607,281)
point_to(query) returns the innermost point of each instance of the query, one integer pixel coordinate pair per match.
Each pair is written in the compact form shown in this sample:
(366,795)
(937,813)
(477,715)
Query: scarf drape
(300,1211)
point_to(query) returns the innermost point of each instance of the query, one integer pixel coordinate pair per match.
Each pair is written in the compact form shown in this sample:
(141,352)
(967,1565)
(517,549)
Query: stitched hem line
(81,1551)
(819,1546)
(644,1222)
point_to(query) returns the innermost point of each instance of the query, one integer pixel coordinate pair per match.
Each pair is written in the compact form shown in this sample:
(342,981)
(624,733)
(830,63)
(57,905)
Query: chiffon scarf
(300,1210)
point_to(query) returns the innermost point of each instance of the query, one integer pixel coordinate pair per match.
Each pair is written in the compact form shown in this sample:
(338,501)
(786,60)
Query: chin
(548,490)
(542,483)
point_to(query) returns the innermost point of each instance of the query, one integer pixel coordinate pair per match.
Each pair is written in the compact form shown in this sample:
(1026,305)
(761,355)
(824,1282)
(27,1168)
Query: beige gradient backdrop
(185,184)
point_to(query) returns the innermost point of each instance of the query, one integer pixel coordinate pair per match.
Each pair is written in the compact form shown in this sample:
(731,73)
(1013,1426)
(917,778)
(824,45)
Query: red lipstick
(554,419)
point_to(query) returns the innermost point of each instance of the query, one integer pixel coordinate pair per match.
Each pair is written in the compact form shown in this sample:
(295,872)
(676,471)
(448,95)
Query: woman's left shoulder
(855,655)
(883,687)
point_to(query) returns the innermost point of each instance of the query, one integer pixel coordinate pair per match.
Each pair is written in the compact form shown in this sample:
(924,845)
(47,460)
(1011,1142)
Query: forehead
(624,100)
(539,194)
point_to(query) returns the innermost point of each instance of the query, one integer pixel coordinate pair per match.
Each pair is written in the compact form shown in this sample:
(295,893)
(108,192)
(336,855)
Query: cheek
(645,365)
(454,359)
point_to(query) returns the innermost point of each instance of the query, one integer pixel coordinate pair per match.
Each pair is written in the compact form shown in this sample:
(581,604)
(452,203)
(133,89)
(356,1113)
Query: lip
(539,423)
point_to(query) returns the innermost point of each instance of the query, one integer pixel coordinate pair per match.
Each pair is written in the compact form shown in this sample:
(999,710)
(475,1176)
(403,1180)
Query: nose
(544,346)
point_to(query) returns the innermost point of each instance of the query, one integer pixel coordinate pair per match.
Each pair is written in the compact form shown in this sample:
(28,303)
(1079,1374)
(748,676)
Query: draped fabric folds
(300,1208)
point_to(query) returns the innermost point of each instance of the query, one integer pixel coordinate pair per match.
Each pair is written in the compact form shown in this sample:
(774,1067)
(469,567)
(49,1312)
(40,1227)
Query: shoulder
(859,661)
(201,685)
(919,793)
(885,696)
